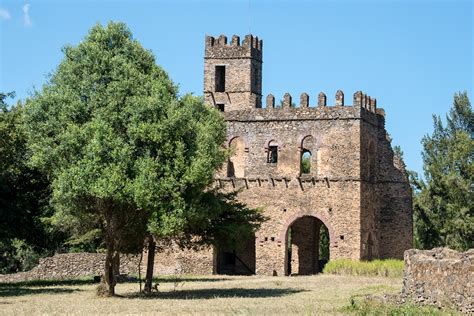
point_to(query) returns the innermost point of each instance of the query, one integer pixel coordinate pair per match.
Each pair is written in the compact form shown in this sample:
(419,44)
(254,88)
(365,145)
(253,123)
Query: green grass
(386,268)
(365,306)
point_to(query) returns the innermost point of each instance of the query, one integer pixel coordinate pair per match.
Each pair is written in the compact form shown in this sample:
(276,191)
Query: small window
(220,78)
(220,106)
(272,154)
(229,258)
(306,162)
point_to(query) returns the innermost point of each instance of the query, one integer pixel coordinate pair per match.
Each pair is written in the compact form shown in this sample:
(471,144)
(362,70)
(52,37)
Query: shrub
(386,268)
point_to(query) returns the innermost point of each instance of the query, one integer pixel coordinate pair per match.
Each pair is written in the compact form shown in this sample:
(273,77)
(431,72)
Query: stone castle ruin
(311,169)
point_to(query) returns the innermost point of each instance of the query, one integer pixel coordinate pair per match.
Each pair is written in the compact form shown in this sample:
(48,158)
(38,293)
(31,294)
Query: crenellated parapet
(364,101)
(218,47)
(360,100)
(364,107)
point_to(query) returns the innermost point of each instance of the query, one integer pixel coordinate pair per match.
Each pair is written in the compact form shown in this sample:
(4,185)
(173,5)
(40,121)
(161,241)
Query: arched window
(307,160)
(272,155)
(236,163)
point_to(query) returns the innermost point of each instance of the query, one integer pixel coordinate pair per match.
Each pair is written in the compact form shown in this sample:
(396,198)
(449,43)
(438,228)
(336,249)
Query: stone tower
(233,73)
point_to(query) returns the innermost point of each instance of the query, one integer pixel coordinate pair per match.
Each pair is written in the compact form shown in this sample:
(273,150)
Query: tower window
(220,106)
(272,154)
(220,78)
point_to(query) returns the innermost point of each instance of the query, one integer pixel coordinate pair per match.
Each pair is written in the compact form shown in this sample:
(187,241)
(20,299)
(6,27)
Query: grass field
(308,295)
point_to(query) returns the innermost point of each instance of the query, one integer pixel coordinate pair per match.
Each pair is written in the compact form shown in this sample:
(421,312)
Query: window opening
(220,78)
(272,154)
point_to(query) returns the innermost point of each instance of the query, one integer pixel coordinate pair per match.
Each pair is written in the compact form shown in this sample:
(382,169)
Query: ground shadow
(20,291)
(185,279)
(47,283)
(217,293)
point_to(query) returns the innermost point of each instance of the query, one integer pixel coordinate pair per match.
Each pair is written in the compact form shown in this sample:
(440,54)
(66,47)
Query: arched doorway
(307,246)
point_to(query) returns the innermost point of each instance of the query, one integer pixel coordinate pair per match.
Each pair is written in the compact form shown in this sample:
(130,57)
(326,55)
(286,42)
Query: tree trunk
(150,264)
(110,273)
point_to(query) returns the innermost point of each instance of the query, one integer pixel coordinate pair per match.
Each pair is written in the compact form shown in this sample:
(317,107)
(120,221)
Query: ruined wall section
(71,266)
(243,72)
(441,277)
(369,168)
(395,210)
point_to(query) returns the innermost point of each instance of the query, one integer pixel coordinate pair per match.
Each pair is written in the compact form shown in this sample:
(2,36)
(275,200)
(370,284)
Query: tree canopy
(444,202)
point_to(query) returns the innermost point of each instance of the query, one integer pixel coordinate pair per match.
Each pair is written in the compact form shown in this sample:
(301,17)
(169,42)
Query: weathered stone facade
(440,276)
(72,265)
(355,185)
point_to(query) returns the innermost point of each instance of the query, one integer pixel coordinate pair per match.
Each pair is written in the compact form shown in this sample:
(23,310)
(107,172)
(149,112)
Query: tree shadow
(47,283)
(187,279)
(216,293)
(21,291)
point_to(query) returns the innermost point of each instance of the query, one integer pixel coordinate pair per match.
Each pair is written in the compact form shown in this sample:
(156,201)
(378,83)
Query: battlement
(219,48)
(360,100)
(364,107)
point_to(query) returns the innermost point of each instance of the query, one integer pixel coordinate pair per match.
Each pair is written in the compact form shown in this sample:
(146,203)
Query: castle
(328,168)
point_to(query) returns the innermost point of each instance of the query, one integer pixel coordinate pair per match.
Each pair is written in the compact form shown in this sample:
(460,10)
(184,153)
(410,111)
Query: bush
(17,255)
(386,268)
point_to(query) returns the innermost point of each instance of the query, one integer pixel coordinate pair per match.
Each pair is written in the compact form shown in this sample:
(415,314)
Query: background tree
(24,197)
(444,202)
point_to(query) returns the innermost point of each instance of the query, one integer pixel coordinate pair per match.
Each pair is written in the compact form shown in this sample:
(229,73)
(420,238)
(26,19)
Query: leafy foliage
(24,194)
(444,204)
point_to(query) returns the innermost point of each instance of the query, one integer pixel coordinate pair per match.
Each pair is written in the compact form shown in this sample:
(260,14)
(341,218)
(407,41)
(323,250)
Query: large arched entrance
(307,246)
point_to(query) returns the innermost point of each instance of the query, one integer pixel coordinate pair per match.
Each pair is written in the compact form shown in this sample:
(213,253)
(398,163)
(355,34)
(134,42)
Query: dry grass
(309,295)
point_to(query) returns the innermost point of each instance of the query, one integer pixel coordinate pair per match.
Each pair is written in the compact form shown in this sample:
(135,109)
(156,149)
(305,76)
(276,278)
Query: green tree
(122,149)
(444,202)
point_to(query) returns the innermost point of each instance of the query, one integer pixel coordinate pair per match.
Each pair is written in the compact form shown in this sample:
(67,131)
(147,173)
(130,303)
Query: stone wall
(72,265)
(440,276)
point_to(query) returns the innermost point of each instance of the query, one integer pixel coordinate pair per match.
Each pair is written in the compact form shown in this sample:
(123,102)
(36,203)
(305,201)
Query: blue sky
(411,55)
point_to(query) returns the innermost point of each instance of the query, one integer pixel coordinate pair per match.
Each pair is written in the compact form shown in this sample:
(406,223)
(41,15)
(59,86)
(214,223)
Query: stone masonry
(440,276)
(355,186)
(71,266)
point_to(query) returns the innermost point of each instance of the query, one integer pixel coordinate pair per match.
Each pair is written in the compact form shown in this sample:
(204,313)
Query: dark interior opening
(220,78)
(220,106)
(272,154)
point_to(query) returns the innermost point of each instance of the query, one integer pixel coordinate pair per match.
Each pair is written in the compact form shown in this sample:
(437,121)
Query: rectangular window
(272,154)
(220,78)
(220,106)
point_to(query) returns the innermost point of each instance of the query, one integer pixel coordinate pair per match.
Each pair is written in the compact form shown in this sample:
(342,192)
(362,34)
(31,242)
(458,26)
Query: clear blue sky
(411,55)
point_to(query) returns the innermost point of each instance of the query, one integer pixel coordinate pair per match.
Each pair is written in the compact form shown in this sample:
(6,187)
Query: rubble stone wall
(72,265)
(440,276)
